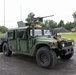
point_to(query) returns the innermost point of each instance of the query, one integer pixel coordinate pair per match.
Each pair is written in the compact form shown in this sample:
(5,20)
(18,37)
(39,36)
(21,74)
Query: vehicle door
(21,40)
(12,40)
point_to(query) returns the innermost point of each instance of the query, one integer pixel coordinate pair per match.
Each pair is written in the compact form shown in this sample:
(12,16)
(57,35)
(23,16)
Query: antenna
(20,13)
(4,12)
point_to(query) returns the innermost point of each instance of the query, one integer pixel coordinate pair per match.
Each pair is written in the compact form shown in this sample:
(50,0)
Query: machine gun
(32,21)
(40,19)
(35,20)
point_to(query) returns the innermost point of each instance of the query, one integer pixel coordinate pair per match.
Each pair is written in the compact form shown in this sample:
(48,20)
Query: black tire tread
(52,55)
(8,51)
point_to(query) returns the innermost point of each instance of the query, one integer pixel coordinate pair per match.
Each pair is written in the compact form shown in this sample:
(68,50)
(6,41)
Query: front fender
(36,46)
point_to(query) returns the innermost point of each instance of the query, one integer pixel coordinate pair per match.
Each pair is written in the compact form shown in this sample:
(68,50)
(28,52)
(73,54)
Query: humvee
(34,40)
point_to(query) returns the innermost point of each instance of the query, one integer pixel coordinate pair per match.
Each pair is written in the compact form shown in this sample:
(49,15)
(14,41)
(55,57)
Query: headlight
(50,44)
(63,44)
(72,43)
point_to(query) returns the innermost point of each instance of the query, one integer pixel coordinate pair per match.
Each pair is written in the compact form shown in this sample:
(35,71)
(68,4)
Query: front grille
(68,43)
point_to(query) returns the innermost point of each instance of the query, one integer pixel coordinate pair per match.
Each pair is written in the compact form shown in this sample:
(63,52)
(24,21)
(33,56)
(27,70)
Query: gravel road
(19,64)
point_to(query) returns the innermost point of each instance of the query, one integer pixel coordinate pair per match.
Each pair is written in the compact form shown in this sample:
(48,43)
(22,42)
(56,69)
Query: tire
(45,57)
(6,50)
(0,49)
(67,57)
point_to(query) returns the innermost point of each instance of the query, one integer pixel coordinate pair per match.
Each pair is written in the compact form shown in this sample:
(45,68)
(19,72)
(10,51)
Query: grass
(70,36)
(0,33)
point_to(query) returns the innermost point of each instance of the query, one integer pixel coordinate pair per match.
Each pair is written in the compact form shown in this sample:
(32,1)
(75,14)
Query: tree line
(52,24)
(69,25)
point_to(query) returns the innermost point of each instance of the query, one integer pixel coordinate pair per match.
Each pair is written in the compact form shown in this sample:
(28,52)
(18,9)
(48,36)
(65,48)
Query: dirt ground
(19,64)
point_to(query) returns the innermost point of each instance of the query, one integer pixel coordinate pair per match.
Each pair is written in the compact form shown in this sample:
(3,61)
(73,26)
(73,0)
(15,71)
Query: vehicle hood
(61,39)
(46,39)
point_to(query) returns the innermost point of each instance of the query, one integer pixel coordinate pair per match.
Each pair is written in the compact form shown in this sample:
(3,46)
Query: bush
(3,29)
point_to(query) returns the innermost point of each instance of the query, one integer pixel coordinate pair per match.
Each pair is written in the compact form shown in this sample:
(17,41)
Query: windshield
(38,32)
(47,32)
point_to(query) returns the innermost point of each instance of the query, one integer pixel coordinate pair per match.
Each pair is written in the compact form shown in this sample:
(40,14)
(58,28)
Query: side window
(21,34)
(11,35)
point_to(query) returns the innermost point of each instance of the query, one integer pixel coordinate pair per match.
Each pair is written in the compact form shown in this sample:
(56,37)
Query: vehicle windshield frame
(41,32)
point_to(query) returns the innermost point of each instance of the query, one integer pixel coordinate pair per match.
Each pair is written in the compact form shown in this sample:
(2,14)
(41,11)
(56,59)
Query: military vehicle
(34,40)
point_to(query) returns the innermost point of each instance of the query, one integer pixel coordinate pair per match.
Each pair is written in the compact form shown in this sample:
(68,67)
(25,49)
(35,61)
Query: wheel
(66,57)
(45,57)
(6,50)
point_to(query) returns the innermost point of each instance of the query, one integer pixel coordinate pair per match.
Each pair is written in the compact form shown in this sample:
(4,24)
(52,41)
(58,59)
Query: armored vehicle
(34,40)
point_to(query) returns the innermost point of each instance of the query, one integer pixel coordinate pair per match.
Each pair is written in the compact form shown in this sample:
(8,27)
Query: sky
(17,10)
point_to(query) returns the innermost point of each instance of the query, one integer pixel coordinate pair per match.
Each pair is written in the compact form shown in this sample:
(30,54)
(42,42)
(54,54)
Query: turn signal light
(54,43)
(50,44)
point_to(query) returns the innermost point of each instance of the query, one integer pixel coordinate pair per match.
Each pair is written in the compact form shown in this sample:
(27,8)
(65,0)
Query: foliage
(61,23)
(74,16)
(50,23)
(3,29)
(69,26)
(0,33)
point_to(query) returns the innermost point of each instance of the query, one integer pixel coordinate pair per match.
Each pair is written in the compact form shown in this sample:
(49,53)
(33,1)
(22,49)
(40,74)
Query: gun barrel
(41,18)
(47,16)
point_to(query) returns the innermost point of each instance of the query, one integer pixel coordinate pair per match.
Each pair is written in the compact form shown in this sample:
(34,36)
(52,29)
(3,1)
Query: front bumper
(68,50)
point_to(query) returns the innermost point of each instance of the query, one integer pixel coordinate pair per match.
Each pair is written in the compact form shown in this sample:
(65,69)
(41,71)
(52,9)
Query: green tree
(61,23)
(3,29)
(74,16)
(50,23)
(69,26)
